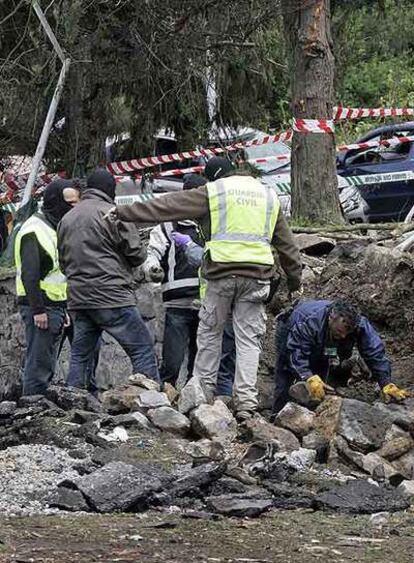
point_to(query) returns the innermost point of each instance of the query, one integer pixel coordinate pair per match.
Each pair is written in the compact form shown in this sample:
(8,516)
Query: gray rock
(229,485)
(191,396)
(214,421)
(187,481)
(169,420)
(364,426)
(134,421)
(258,429)
(401,414)
(68,398)
(239,506)
(121,399)
(407,489)
(299,392)
(144,382)
(68,499)
(361,497)
(374,464)
(314,245)
(7,408)
(296,418)
(151,400)
(29,400)
(205,450)
(314,441)
(83,417)
(405,464)
(300,459)
(118,487)
(397,447)
(287,496)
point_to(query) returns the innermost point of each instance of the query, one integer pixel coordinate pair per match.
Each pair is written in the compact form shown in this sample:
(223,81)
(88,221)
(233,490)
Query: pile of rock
(347,455)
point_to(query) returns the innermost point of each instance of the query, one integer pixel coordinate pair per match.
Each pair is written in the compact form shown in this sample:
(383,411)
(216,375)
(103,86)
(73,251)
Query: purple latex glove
(180,239)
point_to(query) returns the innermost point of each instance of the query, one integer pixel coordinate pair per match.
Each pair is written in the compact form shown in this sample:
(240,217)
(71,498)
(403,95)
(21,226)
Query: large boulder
(169,420)
(361,497)
(214,421)
(401,414)
(363,426)
(187,481)
(118,487)
(296,418)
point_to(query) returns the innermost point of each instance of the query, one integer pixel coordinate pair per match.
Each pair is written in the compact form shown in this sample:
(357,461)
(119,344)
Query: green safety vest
(54,284)
(243,215)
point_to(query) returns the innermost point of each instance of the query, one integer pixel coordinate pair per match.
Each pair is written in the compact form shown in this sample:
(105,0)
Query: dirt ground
(294,536)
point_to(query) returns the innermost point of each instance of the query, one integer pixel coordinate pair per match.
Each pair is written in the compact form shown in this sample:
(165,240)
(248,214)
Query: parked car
(380,185)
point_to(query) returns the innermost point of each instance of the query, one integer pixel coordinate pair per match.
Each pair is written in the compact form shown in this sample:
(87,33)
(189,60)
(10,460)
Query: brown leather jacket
(98,256)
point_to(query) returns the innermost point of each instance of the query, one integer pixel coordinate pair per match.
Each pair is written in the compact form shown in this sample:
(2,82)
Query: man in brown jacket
(240,219)
(97,258)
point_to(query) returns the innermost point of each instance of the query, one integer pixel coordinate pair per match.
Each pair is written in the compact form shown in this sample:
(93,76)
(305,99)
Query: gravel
(28,473)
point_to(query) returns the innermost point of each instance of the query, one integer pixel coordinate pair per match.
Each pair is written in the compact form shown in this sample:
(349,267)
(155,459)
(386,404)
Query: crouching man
(315,341)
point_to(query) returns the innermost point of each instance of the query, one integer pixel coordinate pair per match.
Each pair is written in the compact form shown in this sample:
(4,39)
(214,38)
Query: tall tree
(314,184)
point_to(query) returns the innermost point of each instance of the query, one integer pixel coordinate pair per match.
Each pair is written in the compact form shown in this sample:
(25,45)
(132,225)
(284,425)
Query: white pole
(48,124)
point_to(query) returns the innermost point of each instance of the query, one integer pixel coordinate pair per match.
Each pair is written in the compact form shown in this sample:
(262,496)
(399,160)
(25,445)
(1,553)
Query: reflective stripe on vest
(54,283)
(172,282)
(243,215)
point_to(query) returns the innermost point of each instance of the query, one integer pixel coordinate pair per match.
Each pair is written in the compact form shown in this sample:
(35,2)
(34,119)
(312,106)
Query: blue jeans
(41,349)
(126,326)
(68,333)
(180,336)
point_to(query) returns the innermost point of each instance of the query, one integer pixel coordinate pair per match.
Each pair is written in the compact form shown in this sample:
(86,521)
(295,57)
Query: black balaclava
(54,204)
(103,181)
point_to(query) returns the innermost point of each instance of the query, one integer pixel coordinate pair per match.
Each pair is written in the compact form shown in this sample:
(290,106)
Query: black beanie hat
(217,167)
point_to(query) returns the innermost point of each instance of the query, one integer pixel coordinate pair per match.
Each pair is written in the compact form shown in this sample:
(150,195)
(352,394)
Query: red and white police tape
(16,183)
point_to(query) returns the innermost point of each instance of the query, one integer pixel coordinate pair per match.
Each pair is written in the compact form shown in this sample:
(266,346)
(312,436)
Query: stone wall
(114,366)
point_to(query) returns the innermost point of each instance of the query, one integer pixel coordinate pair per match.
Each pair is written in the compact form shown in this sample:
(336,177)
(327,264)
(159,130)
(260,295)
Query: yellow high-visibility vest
(54,284)
(243,215)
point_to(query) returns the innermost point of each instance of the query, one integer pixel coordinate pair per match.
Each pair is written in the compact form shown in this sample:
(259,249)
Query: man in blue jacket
(315,338)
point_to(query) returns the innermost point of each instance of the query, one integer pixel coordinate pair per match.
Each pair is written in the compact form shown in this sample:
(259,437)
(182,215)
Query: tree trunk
(314,183)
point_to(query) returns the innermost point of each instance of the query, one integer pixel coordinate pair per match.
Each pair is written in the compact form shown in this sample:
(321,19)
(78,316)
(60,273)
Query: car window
(268,150)
(378,155)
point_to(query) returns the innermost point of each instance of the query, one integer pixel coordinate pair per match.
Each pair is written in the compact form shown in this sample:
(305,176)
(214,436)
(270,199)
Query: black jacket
(97,255)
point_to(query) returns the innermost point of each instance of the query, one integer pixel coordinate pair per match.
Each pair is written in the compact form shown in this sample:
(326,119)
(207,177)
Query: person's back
(97,257)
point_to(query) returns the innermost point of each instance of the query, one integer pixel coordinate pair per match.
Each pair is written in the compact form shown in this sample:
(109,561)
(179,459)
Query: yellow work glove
(392,392)
(316,387)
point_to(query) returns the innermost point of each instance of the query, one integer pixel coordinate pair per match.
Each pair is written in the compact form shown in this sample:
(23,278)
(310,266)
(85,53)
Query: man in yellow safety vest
(41,286)
(241,221)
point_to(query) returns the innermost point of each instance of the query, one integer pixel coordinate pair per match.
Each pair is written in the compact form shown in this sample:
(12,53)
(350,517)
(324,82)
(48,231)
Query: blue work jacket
(307,350)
